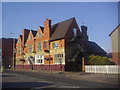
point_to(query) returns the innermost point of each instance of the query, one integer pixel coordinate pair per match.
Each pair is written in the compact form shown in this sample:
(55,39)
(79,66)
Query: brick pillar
(83,64)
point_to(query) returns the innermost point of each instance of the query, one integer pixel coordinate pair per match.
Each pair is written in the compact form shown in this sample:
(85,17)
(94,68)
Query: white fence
(108,69)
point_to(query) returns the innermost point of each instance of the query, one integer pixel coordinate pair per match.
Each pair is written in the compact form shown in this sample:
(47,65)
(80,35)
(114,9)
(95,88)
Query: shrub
(98,60)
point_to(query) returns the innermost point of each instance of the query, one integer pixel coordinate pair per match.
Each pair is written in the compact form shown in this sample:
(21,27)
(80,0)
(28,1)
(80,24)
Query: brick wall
(7,49)
(116,58)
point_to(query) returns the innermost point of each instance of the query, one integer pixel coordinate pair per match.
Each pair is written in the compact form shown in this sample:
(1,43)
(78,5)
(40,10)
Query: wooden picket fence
(108,69)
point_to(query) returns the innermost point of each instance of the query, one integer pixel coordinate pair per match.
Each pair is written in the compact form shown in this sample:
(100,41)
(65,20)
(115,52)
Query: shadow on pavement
(8,75)
(6,85)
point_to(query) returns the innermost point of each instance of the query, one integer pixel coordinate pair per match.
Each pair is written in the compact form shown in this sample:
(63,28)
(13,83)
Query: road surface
(37,80)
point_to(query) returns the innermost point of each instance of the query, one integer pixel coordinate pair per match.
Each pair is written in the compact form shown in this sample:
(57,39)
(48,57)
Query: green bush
(98,60)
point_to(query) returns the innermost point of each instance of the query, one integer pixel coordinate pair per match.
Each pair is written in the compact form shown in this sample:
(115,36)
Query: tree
(31,61)
(98,60)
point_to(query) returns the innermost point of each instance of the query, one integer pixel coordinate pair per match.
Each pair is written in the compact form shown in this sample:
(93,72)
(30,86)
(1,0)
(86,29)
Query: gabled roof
(42,28)
(21,37)
(34,32)
(94,48)
(59,30)
(114,30)
(27,31)
(53,27)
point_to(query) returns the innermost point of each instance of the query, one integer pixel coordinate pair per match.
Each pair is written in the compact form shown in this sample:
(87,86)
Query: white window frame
(75,31)
(39,57)
(57,58)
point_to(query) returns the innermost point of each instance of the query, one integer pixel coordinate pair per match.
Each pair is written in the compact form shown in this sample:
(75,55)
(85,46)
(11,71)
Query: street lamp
(13,63)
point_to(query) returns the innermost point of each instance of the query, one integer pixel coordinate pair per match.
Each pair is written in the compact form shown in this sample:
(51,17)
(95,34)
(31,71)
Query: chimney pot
(84,28)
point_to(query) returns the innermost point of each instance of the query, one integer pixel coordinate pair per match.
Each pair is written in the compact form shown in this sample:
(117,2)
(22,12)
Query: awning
(48,57)
(47,51)
(22,60)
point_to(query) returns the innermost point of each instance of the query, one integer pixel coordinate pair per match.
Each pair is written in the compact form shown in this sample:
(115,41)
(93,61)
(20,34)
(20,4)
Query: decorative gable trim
(19,39)
(28,39)
(39,31)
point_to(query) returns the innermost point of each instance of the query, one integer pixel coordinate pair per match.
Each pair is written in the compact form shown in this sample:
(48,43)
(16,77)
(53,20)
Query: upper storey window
(18,41)
(30,48)
(19,50)
(75,31)
(30,37)
(44,44)
(39,47)
(55,45)
(39,35)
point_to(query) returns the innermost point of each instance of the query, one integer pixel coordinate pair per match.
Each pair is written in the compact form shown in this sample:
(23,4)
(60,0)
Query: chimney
(85,36)
(25,33)
(84,30)
(47,28)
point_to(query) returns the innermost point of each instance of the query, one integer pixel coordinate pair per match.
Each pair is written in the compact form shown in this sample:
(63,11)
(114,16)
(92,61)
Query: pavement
(80,75)
(57,79)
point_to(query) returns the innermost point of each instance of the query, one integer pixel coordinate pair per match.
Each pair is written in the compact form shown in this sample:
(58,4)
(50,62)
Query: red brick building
(6,47)
(53,47)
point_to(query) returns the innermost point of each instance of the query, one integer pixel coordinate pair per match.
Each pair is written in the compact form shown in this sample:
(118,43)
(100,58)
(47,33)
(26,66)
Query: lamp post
(13,63)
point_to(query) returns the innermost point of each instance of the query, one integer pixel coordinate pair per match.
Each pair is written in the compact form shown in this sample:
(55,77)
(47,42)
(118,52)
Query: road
(37,80)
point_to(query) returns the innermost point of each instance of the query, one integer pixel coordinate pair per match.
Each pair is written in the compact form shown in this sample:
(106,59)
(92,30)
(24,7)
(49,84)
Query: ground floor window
(30,60)
(18,50)
(58,58)
(39,59)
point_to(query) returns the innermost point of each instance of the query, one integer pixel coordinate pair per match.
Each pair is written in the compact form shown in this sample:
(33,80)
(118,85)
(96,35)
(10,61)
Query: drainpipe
(34,54)
(49,53)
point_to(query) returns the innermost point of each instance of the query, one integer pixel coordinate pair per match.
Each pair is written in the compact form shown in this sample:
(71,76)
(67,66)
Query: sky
(101,18)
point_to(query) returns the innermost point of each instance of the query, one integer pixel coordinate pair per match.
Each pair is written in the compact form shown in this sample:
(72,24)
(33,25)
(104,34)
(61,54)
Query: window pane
(39,35)
(39,46)
(37,56)
(30,37)
(55,45)
(30,48)
(75,32)
(38,61)
(61,55)
(44,45)
(58,55)
(41,60)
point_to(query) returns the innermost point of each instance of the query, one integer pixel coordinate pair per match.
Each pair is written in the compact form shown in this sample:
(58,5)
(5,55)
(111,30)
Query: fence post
(107,69)
(95,68)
